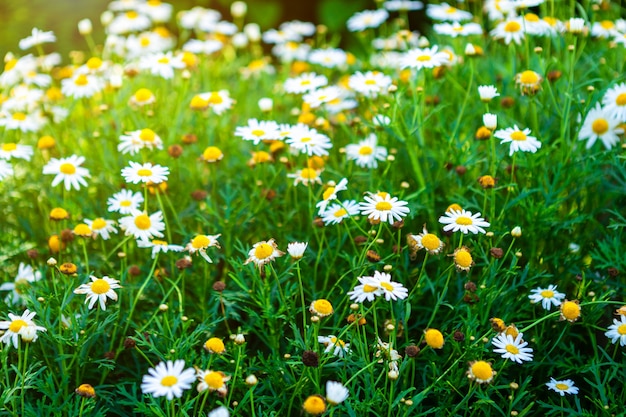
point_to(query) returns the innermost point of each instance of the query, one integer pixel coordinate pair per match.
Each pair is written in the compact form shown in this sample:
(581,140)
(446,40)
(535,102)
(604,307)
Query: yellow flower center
(19,116)
(81,80)
(163,60)
(82,230)
(214,380)
(200,241)
(570,310)
(383,206)
(144,41)
(370,82)
(519,136)
(369,288)
(143,94)
(67,168)
(463,259)
(16,325)
(94,63)
(529,77)
(147,135)
(328,193)
(621,100)
(562,387)
(512,27)
(607,24)
(455,207)
(337,342)
(258,132)
(125,203)
(340,213)
(423,58)
(464,221)
(198,102)
(431,242)
(308,173)
(434,338)
(59,213)
(365,150)
(212,153)
(132,14)
(600,126)
(10,64)
(159,242)
(531,17)
(169,381)
(143,222)
(314,405)
(260,157)
(482,370)
(547,294)
(9,147)
(144,172)
(451,10)
(154,2)
(100,286)
(621,329)
(512,349)
(214,345)
(322,306)
(215,98)
(263,251)
(98,224)
(45,142)
(387,286)
(305,82)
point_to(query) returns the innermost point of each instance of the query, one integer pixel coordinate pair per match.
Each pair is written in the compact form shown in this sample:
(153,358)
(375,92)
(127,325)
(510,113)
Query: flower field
(203,217)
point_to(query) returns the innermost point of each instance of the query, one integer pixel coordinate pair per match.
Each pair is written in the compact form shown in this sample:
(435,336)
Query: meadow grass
(454,264)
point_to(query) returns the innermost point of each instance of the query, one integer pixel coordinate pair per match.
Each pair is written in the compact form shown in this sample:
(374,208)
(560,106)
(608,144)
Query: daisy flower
(615,332)
(570,310)
(13,150)
(464,221)
(425,240)
(328,58)
(142,97)
(220,411)
(296,249)
(263,253)
(159,246)
(456,29)
(487,93)
(330,194)
(256,131)
(510,30)
(81,86)
(212,381)
(366,19)
(391,290)
(367,290)
(366,153)
(403,5)
(145,173)
(162,64)
(321,308)
(99,289)
(382,207)
(321,96)
(168,379)
(529,81)
(306,176)
(125,202)
(305,83)
(446,12)
(143,226)
(599,124)
(548,296)
(201,243)
(102,227)
(133,142)
(336,393)
(604,29)
(130,21)
(218,101)
(37,37)
(481,372)
(519,139)
(614,102)
(335,345)
(17,120)
(370,84)
(512,348)
(562,387)
(26,275)
(308,141)
(424,58)
(20,327)
(67,170)
(6,169)
(463,260)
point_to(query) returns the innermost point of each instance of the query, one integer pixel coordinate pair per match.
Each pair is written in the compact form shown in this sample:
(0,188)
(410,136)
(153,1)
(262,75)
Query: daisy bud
(85,27)
(266,104)
(470,50)
(163,307)
(393,375)
(253,31)
(86,390)
(423,42)
(252,380)
(516,232)
(239,339)
(490,121)
(28,333)
(51,262)
(238,9)
(106,17)
(239,40)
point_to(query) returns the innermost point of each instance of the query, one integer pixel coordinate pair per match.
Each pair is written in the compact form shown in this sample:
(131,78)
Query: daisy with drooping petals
(13,150)
(548,296)
(424,58)
(168,379)
(26,275)
(20,327)
(617,331)
(336,213)
(529,81)
(258,130)
(519,139)
(599,124)
(366,19)
(145,173)
(263,253)
(614,102)
(99,289)
(159,246)
(143,226)
(335,345)
(67,170)
(336,393)
(102,227)
(125,202)
(464,221)
(201,243)
(133,142)
(37,37)
(382,207)
(562,387)
(425,240)
(213,381)
(296,249)
(513,348)
(366,153)
(330,194)
(487,93)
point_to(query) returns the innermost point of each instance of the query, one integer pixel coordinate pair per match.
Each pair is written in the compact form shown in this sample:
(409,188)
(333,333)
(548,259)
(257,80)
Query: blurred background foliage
(61,16)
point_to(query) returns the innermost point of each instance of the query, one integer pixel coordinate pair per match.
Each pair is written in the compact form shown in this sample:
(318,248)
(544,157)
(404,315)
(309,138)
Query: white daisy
(168,379)
(337,212)
(162,64)
(218,101)
(200,243)
(14,150)
(419,58)
(614,102)
(220,411)
(366,19)
(20,327)
(456,29)
(367,290)
(366,153)
(392,290)
(321,96)
(37,37)
(519,139)
(263,253)
(617,331)
(370,84)
(98,290)
(512,348)
(548,296)
(212,381)
(143,226)
(26,275)
(403,5)
(304,83)
(509,30)
(133,142)
(306,176)
(296,249)
(335,345)
(464,221)
(145,173)
(308,141)
(159,246)
(329,57)
(330,194)
(382,207)
(487,92)
(599,124)
(604,29)
(25,122)
(127,22)
(101,227)
(336,393)
(256,131)
(67,170)
(81,86)
(562,387)
(125,202)
(446,12)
